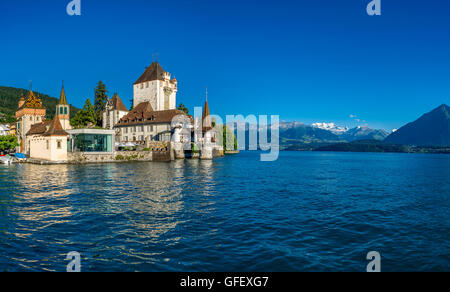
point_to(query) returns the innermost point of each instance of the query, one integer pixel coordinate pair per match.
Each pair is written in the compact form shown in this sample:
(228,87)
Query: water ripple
(306,211)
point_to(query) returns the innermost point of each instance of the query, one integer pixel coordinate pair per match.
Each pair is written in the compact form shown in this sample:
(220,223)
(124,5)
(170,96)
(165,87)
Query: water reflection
(34,191)
(307,211)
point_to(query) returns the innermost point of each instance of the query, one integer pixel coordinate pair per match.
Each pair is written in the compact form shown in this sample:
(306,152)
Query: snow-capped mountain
(293,133)
(364,133)
(332,127)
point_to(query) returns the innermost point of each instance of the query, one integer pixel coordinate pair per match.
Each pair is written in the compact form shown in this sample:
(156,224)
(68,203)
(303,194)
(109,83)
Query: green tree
(85,116)
(101,98)
(228,136)
(8,142)
(132,104)
(6,118)
(183,108)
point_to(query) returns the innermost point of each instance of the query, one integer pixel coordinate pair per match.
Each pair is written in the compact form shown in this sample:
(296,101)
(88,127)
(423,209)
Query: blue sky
(309,61)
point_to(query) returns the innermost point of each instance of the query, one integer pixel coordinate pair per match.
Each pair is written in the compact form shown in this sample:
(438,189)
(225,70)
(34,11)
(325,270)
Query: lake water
(305,212)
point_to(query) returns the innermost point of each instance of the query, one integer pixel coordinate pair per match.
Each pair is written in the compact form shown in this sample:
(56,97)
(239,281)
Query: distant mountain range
(429,134)
(299,136)
(319,133)
(432,129)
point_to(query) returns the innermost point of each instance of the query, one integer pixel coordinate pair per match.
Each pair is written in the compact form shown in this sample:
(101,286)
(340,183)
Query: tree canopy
(85,116)
(183,108)
(9,99)
(8,142)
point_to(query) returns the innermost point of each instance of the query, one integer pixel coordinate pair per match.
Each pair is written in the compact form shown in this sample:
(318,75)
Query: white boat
(6,160)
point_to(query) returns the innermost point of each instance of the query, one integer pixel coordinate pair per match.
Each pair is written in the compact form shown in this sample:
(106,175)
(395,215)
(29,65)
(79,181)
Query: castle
(153,119)
(156,86)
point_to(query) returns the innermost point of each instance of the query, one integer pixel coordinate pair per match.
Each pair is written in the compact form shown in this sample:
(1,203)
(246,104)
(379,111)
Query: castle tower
(208,133)
(63,110)
(115,110)
(156,86)
(30,111)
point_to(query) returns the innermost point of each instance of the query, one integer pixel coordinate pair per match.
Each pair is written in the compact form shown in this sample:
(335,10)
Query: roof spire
(62,98)
(155,57)
(206,119)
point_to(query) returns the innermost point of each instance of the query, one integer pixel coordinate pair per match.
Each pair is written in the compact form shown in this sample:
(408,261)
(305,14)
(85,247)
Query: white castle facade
(156,86)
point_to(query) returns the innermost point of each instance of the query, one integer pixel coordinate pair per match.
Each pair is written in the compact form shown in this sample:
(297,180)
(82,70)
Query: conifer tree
(85,116)
(101,99)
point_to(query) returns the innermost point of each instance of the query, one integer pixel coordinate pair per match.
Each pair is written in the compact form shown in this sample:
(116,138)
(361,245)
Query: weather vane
(155,57)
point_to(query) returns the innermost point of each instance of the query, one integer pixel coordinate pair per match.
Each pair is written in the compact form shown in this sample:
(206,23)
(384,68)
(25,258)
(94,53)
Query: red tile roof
(144,114)
(32,102)
(39,129)
(55,128)
(48,128)
(117,103)
(154,72)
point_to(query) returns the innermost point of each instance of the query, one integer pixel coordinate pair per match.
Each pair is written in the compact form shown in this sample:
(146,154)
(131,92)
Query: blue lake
(304,212)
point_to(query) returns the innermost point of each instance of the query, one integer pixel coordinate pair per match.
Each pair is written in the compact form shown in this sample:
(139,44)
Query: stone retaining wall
(120,156)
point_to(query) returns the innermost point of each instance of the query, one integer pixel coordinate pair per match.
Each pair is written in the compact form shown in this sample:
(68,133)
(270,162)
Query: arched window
(65,110)
(60,110)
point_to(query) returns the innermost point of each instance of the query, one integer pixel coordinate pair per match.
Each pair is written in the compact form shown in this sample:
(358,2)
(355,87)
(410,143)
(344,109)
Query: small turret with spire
(206,119)
(63,110)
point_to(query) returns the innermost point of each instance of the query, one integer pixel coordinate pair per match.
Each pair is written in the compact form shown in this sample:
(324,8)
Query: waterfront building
(143,123)
(157,87)
(115,110)
(48,141)
(91,141)
(206,134)
(154,109)
(30,111)
(56,141)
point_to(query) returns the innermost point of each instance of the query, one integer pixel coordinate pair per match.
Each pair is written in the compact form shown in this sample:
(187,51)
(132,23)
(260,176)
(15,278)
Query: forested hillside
(9,98)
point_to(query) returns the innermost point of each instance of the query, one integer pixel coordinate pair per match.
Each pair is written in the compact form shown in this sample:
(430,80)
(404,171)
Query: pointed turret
(62,98)
(63,110)
(206,119)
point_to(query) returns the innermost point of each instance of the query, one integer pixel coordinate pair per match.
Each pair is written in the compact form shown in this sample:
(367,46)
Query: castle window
(59,144)
(65,110)
(31,118)
(48,144)
(148,84)
(60,110)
